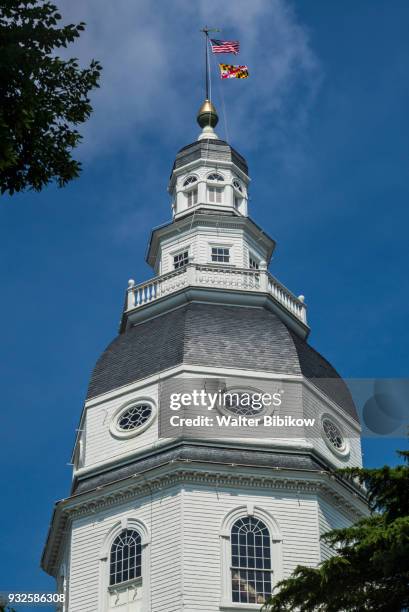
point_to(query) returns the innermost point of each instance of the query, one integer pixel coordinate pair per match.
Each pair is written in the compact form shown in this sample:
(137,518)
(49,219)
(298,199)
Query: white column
(201,192)
(263,276)
(229,196)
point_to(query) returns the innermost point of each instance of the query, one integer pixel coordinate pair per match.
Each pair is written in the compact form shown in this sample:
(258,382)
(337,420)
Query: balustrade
(219,277)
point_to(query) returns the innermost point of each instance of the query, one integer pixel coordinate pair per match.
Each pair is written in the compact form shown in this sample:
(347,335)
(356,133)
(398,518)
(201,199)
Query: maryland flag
(228,71)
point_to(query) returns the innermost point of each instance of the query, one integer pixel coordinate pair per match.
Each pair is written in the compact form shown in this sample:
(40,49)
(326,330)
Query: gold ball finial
(207,115)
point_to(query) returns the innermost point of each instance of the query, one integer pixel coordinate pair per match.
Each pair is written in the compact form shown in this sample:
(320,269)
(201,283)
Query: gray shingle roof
(186,452)
(210,149)
(214,335)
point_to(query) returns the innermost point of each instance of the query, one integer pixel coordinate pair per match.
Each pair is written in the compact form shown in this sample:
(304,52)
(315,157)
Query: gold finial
(207,115)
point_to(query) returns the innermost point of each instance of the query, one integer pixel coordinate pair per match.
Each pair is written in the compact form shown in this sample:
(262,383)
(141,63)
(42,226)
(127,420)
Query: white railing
(286,298)
(219,277)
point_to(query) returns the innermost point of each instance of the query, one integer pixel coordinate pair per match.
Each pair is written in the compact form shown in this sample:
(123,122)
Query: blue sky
(323,122)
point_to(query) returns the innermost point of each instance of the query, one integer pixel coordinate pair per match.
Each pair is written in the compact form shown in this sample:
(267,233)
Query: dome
(215,335)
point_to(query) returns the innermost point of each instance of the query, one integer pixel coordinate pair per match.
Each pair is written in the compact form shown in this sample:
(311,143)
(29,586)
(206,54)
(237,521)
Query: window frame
(191,190)
(224,247)
(105,589)
(119,433)
(238,186)
(341,453)
(238,193)
(240,564)
(216,190)
(240,391)
(188,184)
(181,252)
(276,540)
(192,196)
(256,261)
(215,178)
(237,201)
(138,544)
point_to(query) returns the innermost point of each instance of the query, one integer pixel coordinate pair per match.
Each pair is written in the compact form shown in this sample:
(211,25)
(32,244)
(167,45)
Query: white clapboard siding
(204,510)
(101,445)
(199,243)
(329,517)
(315,407)
(175,245)
(184,524)
(161,515)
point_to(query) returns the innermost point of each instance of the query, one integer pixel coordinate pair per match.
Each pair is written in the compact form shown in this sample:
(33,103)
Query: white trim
(225,543)
(215,182)
(217,372)
(200,162)
(235,607)
(62,587)
(179,251)
(192,195)
(342,453)
(254,257)
(217,193)
(191,184)
(242,193)
(117,432)
(188,369)
(220,244)
(129,522)
(240,389)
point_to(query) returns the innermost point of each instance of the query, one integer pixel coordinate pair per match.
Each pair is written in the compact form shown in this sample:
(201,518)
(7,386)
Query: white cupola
(209,174)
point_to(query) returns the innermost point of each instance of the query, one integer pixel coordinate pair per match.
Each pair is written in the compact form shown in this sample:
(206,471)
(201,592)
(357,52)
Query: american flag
(225,46)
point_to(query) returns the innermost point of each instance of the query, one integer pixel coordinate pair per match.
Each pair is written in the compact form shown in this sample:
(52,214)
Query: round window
(242,403)
(333,435)
(132,419)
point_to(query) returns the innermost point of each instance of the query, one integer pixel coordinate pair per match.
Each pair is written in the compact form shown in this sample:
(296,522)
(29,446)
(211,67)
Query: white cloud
(152,55)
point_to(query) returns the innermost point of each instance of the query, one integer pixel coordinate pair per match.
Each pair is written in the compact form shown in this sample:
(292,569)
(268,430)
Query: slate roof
(186,452)
(214,335)
(213,149)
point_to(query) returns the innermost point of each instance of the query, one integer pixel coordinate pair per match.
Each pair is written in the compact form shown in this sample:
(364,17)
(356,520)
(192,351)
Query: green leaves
(370,567)
(42,97)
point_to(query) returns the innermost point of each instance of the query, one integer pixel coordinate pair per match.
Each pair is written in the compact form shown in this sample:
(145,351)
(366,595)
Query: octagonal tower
(195,521)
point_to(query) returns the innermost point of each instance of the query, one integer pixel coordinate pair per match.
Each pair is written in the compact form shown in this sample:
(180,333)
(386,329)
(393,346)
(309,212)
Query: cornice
(185,472)
(206,220)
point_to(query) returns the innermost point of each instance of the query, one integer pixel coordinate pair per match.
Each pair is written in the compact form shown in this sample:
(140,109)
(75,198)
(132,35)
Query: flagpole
(206,31)
(207,61)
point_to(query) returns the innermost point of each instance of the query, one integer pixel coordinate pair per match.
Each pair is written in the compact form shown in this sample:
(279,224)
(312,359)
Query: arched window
(126,557)
(215,177)
(191,192)
(189,181)
(237,185)
(250,561)
(215,193)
